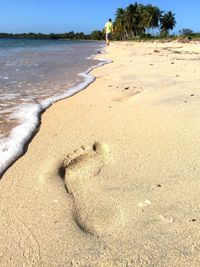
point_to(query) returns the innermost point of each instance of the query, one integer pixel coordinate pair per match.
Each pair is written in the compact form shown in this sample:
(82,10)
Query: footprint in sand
(166,219)
(95,212)
(127,93)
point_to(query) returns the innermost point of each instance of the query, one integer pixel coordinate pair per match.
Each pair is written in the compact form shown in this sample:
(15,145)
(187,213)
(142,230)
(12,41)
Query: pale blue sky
(60,16)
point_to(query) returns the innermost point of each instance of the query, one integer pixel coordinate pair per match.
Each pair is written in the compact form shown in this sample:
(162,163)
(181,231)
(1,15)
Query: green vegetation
(141,22)
(137,20)
(53,36)
(97,35)
(186,32)
(167,22)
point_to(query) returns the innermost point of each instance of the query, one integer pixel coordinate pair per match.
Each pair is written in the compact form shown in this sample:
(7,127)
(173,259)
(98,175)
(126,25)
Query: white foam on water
(9,96)
(13,146)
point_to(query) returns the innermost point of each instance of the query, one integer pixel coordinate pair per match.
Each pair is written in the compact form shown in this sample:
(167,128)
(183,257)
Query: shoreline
(8,158)
(112,176)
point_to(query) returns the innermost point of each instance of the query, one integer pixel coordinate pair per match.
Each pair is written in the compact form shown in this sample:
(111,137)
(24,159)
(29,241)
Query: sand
(112,178)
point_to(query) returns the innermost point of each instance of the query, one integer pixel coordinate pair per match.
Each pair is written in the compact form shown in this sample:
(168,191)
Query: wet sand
(112,178)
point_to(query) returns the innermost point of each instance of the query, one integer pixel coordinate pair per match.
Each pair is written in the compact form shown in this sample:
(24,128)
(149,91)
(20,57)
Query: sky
(59,16)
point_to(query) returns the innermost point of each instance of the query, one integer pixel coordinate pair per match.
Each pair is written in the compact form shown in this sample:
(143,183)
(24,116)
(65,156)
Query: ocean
(33,75)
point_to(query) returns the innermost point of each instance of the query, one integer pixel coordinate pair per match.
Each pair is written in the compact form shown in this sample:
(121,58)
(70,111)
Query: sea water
(33,75)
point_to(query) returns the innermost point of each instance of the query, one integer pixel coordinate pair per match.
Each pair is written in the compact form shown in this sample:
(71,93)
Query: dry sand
(112,178)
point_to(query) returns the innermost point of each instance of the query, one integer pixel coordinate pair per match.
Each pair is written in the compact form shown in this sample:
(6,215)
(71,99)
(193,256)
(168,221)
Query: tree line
(53,36)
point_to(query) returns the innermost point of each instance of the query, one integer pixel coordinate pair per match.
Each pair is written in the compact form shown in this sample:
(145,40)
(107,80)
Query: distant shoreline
(52,36)
(71,36)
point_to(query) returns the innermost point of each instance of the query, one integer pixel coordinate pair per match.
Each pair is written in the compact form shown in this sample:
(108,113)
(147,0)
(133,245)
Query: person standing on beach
(108,30)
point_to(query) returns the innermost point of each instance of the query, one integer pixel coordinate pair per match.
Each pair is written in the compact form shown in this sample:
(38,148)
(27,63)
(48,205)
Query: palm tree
(167,22)
(131,17)
(141,19)
(119,24)
(153,15)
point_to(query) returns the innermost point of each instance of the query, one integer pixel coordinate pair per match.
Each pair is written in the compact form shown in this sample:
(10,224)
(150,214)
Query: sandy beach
(112,177)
